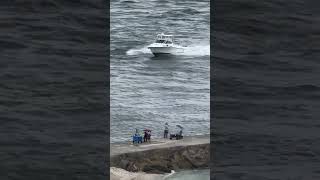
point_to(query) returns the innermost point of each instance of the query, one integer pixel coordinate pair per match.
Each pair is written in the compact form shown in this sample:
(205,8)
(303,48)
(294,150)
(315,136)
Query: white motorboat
(165,44)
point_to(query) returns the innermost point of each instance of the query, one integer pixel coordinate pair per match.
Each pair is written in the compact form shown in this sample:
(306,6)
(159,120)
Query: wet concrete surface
(129,147)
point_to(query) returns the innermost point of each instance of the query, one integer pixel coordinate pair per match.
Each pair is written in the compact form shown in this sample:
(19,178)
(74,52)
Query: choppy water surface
(267,90)
(147,91)
(53,79)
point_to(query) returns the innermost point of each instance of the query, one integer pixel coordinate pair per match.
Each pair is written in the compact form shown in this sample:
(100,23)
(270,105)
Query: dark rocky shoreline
(163,160)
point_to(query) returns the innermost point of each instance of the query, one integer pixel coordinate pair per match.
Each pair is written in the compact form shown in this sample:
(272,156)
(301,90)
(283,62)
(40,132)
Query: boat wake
(197,50)
(143,50)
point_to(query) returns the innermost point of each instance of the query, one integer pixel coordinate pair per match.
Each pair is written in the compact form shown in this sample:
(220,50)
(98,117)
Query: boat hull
(165,50)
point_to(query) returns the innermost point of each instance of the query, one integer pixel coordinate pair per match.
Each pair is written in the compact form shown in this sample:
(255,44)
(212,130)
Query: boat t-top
(165,44)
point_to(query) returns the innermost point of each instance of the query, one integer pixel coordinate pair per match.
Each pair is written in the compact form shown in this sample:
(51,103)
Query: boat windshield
(160,41)
(166,39)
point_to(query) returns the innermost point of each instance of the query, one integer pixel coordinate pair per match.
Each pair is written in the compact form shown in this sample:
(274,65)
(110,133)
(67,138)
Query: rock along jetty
(162,155)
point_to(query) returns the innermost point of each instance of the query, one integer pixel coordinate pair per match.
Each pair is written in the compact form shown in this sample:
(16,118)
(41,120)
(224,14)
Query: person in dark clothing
(145,137)
(166,130)
(149,136)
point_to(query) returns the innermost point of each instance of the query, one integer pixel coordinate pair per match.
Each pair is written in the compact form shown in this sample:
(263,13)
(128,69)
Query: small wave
(170,174)
(190,11)
(180,12)
(305,87)
(129,1)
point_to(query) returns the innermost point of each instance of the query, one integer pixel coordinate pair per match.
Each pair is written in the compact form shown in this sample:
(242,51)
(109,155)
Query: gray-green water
(148,91)
(203,174)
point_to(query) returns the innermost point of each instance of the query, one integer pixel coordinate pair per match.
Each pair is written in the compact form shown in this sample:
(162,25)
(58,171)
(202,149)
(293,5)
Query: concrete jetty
(129,147)
(162,155)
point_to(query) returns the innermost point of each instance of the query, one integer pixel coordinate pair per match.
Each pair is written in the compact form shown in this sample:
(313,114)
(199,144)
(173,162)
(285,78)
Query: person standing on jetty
(145,138)
(166,130)
(149,136)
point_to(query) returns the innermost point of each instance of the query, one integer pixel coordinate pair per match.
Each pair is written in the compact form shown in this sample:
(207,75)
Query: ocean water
(203,174)
(53,74)
(266,90)
(147,91)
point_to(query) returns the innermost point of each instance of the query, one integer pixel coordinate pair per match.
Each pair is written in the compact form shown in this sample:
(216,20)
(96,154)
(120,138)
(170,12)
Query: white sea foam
(121,174)
(195,50)
(143,50)
(168,175)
